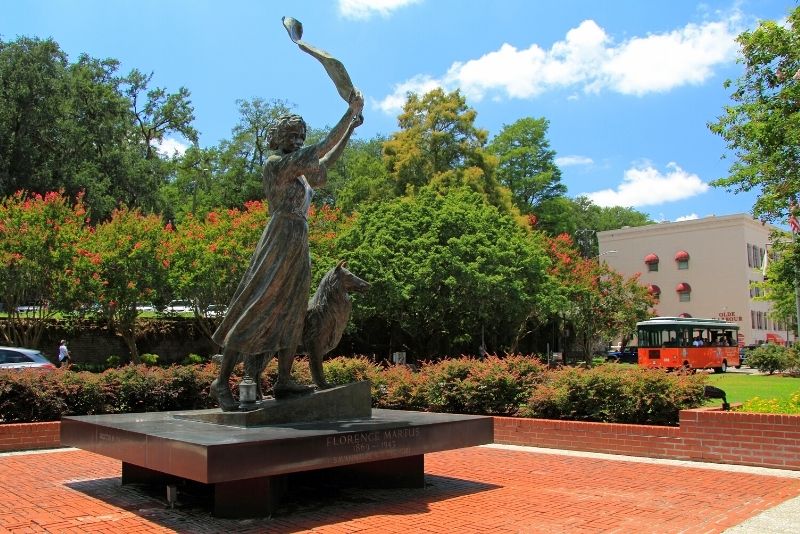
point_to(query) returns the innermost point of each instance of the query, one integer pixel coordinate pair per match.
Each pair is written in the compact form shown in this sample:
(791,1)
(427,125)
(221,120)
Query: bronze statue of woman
(267,310)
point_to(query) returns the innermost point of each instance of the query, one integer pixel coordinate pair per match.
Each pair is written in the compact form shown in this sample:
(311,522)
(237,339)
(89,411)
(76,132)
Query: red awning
(654,289)
(681,255)
(651,258)
(683,287)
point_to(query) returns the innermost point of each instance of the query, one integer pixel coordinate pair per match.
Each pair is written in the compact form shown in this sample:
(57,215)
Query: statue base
(248,469)
(342,402)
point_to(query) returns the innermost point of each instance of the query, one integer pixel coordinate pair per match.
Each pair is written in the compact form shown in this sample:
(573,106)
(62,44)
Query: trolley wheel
(722,369)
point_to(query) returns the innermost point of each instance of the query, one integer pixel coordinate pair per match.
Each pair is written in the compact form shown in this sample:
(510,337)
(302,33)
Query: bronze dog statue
(326,317)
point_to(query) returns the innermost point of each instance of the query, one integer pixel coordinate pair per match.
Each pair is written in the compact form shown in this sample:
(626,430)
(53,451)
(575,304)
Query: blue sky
(628,86)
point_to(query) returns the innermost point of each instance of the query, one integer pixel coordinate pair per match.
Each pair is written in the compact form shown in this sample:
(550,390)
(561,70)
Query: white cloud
(647,186)
(588,60)
(364,9)
(170,147)
(394,102)
(690,217)
(681,57)
(567,161)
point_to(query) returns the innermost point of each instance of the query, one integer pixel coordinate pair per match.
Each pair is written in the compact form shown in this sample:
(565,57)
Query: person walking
(63,354)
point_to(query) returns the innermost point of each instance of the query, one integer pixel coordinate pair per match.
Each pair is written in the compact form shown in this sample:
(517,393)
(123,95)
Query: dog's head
(349,281)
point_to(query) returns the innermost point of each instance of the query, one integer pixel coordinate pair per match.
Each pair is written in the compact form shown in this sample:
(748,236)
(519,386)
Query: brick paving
(480,489)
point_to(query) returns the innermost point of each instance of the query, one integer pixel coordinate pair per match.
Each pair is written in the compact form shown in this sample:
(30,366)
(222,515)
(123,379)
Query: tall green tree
(438,144)
(229,174)
(358,177)
(762,125)
(32,93)
(444,269)
(526,163)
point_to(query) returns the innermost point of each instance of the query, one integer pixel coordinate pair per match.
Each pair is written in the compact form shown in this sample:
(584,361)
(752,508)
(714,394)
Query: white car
(19,358)
(216,310)
(180,306)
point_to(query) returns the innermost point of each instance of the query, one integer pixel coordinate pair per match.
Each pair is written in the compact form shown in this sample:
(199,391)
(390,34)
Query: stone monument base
(248,467)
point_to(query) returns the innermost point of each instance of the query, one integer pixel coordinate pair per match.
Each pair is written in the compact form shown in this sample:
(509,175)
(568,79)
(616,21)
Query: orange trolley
(689,343)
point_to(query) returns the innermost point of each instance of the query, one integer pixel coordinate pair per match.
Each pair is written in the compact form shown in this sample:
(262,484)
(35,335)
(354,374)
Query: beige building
(700,268)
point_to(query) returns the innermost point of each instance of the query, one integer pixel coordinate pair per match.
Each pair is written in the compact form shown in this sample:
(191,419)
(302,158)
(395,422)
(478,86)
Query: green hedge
(513,385)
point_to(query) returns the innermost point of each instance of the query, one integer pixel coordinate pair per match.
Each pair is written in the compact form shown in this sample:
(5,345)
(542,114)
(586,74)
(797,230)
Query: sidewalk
(481,489)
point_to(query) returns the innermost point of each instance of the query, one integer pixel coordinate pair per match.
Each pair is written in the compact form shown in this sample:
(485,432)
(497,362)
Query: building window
(682,257)
(684,291)
(752,319)
(749,255)
(652,262)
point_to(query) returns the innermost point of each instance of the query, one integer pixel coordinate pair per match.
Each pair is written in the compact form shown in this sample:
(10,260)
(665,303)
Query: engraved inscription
(374,445)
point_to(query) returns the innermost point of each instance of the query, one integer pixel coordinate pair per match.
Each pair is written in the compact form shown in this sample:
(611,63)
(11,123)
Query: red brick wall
(16,437)
(709,435)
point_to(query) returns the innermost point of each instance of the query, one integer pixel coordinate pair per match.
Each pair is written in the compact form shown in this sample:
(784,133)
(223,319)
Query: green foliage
(82,127)
(442,267)
(113,361)
(150,359)
(762,125)
(761,405)
(613,394)
(492,386)
(514,385)
(345,370)
(771,358)
(193,359)
(526,164)
(439,145)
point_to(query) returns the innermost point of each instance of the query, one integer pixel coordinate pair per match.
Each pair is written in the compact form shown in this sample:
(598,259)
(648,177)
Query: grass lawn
(740,387)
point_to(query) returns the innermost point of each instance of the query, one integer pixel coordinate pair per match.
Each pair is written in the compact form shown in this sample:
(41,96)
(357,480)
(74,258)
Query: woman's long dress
(266,313)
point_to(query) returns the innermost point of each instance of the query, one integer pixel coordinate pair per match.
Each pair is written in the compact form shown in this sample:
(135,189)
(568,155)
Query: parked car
(180,306)
(20,358)
(626,355)
(216,310)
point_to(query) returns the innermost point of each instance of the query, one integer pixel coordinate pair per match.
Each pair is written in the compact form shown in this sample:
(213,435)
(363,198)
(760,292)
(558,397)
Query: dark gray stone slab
(212,453)
(350,401)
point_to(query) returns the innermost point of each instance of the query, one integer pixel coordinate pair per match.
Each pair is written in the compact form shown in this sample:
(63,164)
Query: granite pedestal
(247,467)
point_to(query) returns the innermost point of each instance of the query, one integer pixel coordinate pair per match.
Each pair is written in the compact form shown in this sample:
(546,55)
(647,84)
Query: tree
(779,286)
(82,128)
(357,178)
(444,268)
(228,175)
(157,113)
(32,91)
(582,219)
(526,164)
(207,257)
(439,145)
(39,264)
(599,302)
(129,253)
(762,126)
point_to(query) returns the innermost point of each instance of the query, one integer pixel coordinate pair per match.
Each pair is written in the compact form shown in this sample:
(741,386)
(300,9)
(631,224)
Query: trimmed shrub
(771,358)
(493,386)
(399,388)
(612,394)
(514,385)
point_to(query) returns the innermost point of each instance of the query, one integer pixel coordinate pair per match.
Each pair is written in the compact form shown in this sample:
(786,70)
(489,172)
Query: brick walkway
(481,489)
